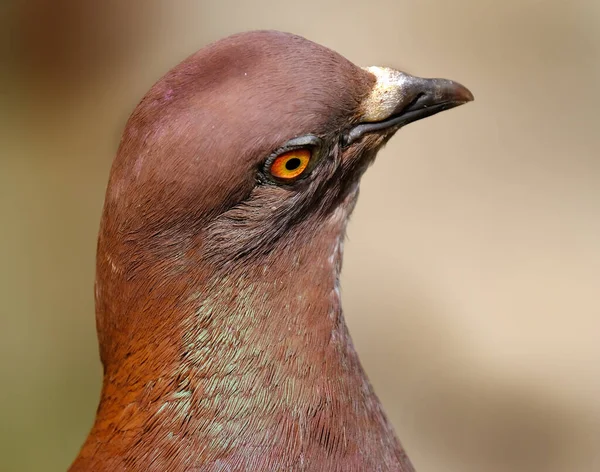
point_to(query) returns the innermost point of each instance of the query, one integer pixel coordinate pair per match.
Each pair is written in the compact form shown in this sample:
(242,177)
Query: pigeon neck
(260,368)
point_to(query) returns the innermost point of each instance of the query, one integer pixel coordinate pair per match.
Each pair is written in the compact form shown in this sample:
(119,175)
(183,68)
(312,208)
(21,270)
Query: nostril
(416,102)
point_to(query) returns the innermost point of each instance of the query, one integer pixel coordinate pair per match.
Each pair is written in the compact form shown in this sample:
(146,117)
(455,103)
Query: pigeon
(218,311)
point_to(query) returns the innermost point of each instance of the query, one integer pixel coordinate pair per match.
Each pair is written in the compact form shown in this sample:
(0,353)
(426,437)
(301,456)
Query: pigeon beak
(398,99)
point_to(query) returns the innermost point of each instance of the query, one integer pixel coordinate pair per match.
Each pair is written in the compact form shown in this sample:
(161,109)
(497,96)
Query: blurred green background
(472,270)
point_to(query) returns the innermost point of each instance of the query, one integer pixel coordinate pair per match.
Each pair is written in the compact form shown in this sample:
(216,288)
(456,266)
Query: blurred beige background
(472,271)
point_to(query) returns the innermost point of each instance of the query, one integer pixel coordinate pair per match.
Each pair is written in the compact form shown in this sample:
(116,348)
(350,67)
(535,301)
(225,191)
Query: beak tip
(461,93)
(468,96)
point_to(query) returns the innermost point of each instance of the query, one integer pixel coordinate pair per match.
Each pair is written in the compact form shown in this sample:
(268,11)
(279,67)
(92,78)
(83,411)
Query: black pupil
(293,163)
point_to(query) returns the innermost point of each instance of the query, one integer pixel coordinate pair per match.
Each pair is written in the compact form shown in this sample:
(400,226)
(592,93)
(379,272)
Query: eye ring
(294,160)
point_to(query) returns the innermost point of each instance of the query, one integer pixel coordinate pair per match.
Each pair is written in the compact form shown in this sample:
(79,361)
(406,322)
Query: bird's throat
(259,368)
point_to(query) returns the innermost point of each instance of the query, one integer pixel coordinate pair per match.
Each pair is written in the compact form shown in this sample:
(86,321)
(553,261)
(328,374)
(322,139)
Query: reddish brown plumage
(218,312)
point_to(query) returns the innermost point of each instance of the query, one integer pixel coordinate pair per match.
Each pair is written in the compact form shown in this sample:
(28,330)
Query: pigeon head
(255,135)
(219,253)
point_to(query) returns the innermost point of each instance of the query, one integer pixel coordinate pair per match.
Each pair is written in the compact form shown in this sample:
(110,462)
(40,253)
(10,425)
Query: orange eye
(290,165)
